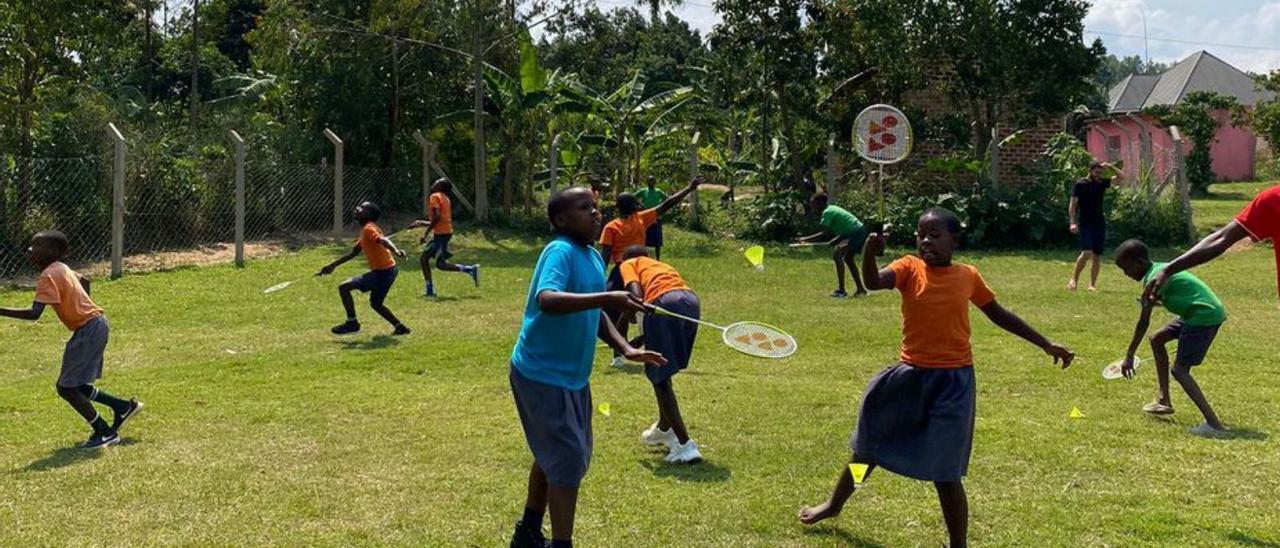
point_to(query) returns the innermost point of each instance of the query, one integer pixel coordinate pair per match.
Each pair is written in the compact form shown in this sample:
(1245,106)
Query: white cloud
(1232,25)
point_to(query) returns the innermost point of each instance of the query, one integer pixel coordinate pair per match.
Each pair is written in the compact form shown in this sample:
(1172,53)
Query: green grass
(1225,201)
(262,429)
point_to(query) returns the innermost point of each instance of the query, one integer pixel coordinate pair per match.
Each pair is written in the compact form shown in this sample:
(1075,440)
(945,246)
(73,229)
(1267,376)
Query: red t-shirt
(1262,219)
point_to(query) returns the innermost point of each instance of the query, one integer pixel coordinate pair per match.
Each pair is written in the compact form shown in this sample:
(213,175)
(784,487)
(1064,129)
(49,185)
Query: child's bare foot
(1071,285)
(1093,288)
(813,514)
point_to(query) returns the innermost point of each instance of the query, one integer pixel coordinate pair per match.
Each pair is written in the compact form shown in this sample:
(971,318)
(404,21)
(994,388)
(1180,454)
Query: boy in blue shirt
(551,364)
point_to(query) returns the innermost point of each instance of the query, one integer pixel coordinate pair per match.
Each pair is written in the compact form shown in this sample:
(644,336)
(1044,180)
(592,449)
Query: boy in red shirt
(439,225)
(378,250)
(68,293)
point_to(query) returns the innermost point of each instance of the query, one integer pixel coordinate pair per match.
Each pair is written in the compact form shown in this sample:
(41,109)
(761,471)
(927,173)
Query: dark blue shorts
(1193,341)
(672,337)
(653,235)
(1093,239)
(918,422)
(439,247)
(376,283)
(856,241)
(557,427)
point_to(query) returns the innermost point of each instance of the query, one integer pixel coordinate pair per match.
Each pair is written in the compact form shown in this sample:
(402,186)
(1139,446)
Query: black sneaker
(121,418)
(350,327)
(526,538)
(838,294)
(101,439)
(401,330)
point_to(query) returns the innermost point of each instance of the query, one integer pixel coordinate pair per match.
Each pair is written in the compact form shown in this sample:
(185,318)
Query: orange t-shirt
(370,242)
(59,287)
(935,311)
(440,202)
(656,278)
(620,234)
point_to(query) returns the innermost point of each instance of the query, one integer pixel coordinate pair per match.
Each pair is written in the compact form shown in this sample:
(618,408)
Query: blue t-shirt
(558,349)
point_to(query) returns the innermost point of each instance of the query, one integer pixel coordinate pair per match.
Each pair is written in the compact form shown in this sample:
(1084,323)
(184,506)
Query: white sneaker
(655,437)
(684,454)
(1205,431)
(618,362)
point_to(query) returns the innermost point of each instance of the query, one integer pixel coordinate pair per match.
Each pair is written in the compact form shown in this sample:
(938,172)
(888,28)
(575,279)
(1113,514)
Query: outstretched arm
(1010,322)
(1140,331)
(328,269)
(872,274)
(32,314)
(1208,249)
(560,302)
(679,196)
(824,233)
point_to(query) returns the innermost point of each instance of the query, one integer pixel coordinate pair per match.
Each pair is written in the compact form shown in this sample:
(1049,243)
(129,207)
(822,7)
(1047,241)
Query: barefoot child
(1200,315)
(850,235)
(551,365)
(917,416)
(68,293)
(628,230)
(659,284)
(377,281)
(439,225)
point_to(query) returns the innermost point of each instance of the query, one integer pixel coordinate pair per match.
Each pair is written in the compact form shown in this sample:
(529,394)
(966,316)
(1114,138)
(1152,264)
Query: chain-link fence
(72,195)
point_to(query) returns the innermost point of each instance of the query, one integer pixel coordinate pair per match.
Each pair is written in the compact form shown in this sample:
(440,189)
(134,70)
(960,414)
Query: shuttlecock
(759,268)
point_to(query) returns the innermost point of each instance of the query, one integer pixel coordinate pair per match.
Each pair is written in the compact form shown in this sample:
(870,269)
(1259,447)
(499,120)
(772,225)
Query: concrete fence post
(117,201)
(425,145)
(337,179)
(553,163)
(1184,183)
(693,173)
(239,145)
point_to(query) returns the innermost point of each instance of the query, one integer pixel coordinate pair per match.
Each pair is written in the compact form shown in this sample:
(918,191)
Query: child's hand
(1127,367)
(875,245)
(624,302)
(1060,353)
(1151,293)
(417,224)
(327,270)
(400,253)
(645,356)
(696,181)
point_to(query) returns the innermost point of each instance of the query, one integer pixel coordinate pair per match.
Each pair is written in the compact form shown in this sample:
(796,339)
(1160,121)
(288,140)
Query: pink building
(1127,134)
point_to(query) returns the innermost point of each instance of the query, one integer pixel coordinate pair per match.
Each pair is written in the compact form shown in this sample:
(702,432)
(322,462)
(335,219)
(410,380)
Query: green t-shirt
(1189,298)
(650,199)
(839,221)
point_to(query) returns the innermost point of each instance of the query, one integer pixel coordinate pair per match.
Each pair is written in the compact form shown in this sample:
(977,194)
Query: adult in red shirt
(1258,221)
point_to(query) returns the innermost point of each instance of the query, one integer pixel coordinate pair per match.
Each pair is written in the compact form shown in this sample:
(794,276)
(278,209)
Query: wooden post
(457,193)
(1184,185)
(553,162)
(239,144)
(117,202)
(693,173)
(337,179)
(426,169)
(833,177)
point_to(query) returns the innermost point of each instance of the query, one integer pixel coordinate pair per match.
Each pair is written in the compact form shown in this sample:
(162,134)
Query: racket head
(1114,371)
(882,135)
(277,287)
(760,340)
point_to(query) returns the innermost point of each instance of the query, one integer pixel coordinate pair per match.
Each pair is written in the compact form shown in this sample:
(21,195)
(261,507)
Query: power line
(1176,41)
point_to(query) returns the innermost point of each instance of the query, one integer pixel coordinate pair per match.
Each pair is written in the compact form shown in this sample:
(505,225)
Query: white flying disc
(1115,369)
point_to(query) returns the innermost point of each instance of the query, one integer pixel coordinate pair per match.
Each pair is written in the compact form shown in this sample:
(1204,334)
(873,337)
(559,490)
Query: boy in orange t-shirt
(917,416)
(68,293)
(628,230)
(658,284)
(378,250)
(439,224)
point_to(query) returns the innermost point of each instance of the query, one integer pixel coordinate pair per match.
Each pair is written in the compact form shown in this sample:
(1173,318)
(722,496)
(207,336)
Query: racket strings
(759,340)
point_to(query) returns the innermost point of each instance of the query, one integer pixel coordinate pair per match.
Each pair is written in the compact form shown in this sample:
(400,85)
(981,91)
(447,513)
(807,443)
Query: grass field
(262,429)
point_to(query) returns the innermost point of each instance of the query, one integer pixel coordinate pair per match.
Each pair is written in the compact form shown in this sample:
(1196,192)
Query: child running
(439,225)
(378,250)
(1200,315)
(650,197)
(551,365)
(917,416)
(68,293)
(628,230)
(659,284)
(849,236)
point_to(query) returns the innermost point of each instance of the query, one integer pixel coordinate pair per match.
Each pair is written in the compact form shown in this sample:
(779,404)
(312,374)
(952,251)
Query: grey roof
(1201,71)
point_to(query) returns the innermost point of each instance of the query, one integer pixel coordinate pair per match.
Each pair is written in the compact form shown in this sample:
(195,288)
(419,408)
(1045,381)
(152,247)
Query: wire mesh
(72,195)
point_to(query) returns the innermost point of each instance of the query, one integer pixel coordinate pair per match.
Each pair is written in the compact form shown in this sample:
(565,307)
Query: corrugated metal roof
(1201,71)
(1131,93)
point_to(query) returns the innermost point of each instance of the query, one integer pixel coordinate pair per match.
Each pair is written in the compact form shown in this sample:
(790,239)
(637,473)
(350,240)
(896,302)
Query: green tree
(1198,117)
(1266,115)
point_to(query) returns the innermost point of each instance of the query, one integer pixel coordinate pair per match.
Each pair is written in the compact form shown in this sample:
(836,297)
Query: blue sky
(1212,24)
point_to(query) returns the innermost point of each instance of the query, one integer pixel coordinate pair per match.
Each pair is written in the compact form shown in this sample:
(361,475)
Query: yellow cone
(604,409)
(859,472)
(755,255)
(1076,414)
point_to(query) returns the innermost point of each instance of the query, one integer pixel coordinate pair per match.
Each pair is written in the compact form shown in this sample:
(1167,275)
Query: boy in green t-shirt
(850,234)
(1200,315)
(650,197)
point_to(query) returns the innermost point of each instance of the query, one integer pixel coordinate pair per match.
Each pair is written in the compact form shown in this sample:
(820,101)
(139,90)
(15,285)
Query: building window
(1113,148)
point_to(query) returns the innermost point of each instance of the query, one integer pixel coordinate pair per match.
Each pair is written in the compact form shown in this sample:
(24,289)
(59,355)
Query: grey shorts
(1193,341)
(557,427)
(82,360)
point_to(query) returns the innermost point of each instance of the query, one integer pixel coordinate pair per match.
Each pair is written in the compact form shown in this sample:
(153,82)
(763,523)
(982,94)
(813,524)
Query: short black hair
(635,251)
(821,196)
(561,201)
(627,204)
(1133,249)
(949,217)
(55,238)
(372,211)
(1096,164)
(444,183)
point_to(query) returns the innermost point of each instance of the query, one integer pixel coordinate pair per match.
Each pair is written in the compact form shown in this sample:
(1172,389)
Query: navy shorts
(1093,239)
(614,283)
(653,235)
(377,283)
(856,241)
(1193,341)
(557,427)
(918,422)
(439,247)
(82,360)
(672,337)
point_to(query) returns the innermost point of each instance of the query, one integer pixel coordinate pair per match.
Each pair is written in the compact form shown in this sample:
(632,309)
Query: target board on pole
(882,135)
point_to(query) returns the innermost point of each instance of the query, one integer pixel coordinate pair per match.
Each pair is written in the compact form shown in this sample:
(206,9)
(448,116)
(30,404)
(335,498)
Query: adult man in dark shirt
(1089,222)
